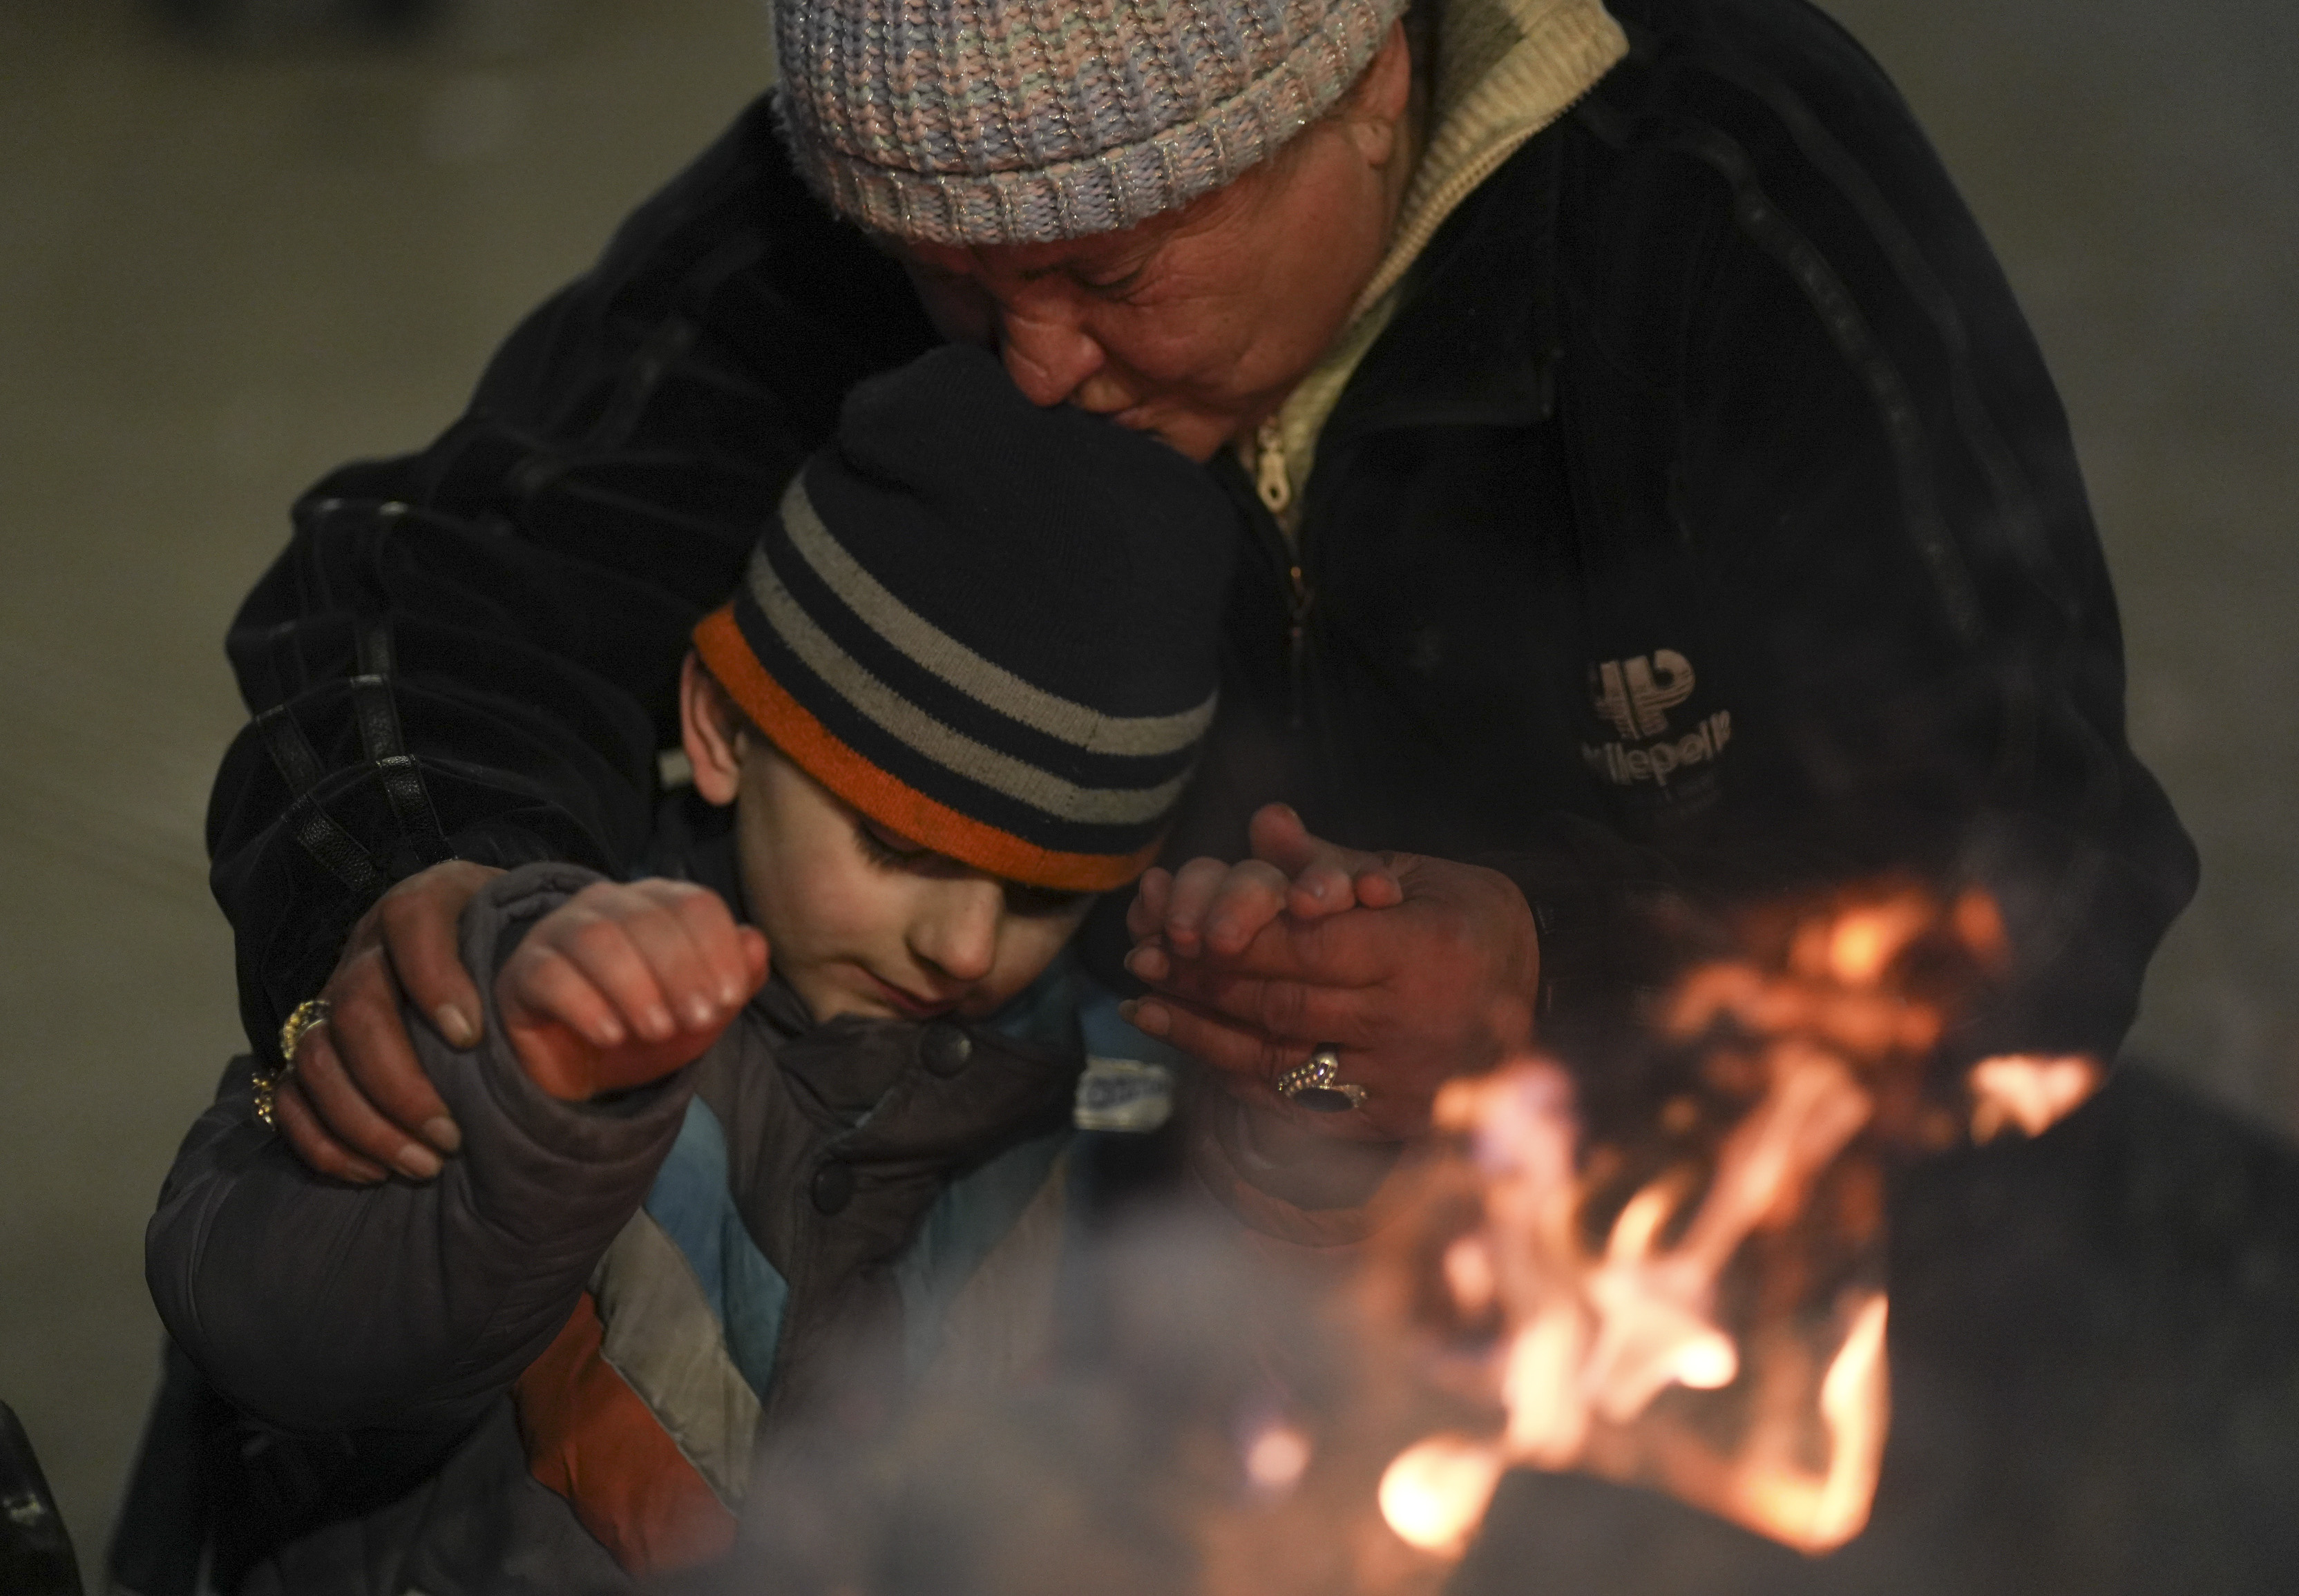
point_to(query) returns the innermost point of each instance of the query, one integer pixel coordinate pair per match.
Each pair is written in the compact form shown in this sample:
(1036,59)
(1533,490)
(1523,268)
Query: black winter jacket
(1704,520)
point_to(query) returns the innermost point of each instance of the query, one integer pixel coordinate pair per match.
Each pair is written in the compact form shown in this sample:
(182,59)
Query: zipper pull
(1269,475)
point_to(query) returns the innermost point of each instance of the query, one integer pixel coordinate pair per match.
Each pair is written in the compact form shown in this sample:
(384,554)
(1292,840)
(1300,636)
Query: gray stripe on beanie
(988,121)
(896,716)
(987,682)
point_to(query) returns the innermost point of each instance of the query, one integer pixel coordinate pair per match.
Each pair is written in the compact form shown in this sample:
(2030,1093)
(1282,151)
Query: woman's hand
(1414,970)
(1211,905)
(357,1102)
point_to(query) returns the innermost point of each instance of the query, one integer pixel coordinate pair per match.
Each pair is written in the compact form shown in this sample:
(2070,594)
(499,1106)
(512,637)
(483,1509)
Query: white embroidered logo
(1636,695)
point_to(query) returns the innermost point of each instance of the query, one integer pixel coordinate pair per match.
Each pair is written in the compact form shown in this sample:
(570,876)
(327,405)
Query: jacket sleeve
(314,1305)
(1848,448)
(473,651)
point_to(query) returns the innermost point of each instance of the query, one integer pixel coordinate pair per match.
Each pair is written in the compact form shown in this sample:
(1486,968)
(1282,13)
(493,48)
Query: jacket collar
(1475,337)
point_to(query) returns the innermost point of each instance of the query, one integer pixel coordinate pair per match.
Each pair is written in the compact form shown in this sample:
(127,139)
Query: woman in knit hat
(1656,496)
(957,695)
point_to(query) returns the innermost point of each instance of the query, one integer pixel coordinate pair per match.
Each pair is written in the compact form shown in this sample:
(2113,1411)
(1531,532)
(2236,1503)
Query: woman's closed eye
(1119,286)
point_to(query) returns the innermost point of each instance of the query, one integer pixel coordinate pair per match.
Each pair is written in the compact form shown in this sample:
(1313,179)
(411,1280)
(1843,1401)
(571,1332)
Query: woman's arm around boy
(317,1305)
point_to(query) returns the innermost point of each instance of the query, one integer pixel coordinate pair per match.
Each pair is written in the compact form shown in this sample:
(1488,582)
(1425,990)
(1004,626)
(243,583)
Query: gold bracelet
(265,1087)
(309,1016)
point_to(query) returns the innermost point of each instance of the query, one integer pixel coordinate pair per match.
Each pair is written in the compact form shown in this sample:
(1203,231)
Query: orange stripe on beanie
(990,627)
(808,744)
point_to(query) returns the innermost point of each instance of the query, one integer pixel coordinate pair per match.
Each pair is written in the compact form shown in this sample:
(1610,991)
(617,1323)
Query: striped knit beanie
(996,122)
(989,627)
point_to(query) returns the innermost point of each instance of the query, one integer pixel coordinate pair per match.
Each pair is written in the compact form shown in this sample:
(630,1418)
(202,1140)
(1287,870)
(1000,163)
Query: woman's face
(1196,324)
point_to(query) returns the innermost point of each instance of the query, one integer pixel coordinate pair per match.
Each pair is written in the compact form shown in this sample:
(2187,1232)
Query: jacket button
(834,1186)
(943,1049)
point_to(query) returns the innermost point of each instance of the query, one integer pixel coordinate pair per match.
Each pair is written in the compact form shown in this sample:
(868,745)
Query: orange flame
(1725,1340)
(1435,1495)
(2030,1094)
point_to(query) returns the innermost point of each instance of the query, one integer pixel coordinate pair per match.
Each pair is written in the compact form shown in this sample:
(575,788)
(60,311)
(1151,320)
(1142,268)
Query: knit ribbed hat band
(730,653)
(984,121)
(988,628)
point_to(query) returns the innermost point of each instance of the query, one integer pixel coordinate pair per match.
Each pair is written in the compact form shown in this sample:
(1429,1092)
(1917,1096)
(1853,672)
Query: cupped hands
(1413,969)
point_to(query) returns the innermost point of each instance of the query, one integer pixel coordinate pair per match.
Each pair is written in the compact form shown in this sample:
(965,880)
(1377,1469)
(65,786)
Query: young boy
(957,694)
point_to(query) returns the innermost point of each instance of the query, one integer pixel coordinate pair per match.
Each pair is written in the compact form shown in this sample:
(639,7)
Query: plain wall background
(222,274)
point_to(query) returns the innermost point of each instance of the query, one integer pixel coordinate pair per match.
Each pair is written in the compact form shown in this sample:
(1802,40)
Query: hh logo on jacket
(1634,697)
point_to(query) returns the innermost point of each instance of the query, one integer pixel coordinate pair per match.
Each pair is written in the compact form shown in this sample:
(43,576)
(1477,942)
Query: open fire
(1686,1291)
(1663,1269)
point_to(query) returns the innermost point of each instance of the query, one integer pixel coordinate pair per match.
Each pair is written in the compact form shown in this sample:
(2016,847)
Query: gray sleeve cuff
(542,1171)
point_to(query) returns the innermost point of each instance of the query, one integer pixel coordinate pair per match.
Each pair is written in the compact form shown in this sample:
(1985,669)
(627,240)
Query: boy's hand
(623,984)
(1213,906)
(1414,969)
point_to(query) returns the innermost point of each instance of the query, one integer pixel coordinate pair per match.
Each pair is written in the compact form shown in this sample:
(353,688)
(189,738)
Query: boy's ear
(707,725)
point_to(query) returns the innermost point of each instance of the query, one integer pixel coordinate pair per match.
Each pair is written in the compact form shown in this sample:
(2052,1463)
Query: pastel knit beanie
(1009,121)
(989,627)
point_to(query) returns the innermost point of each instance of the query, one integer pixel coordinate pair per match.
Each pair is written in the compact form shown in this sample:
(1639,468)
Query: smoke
(2090,1363)
(1217,1424)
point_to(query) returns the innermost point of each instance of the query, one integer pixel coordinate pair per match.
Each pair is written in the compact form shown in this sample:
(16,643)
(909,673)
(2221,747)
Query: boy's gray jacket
(370,1333)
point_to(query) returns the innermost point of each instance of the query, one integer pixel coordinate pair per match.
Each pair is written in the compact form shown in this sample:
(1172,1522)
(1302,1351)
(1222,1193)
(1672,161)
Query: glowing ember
(1276,1456)
(1685,1296)
(1863,941)
(1469,1271)
(2027,1093)
(1435,1495)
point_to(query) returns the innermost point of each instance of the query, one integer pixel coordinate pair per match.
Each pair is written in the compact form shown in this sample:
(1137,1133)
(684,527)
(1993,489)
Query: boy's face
(862,922)
(859,921)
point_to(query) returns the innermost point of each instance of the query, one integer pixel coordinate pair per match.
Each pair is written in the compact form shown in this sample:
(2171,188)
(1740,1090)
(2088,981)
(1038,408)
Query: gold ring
(1317,1085)
(309,1016)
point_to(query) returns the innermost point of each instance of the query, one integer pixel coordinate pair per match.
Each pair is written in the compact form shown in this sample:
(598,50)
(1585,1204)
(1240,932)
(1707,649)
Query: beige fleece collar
(1506,69)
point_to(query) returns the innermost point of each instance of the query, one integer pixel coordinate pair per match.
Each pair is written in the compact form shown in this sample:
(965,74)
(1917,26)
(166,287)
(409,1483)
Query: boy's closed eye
(894,851)
(1040,903)
(890,850)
